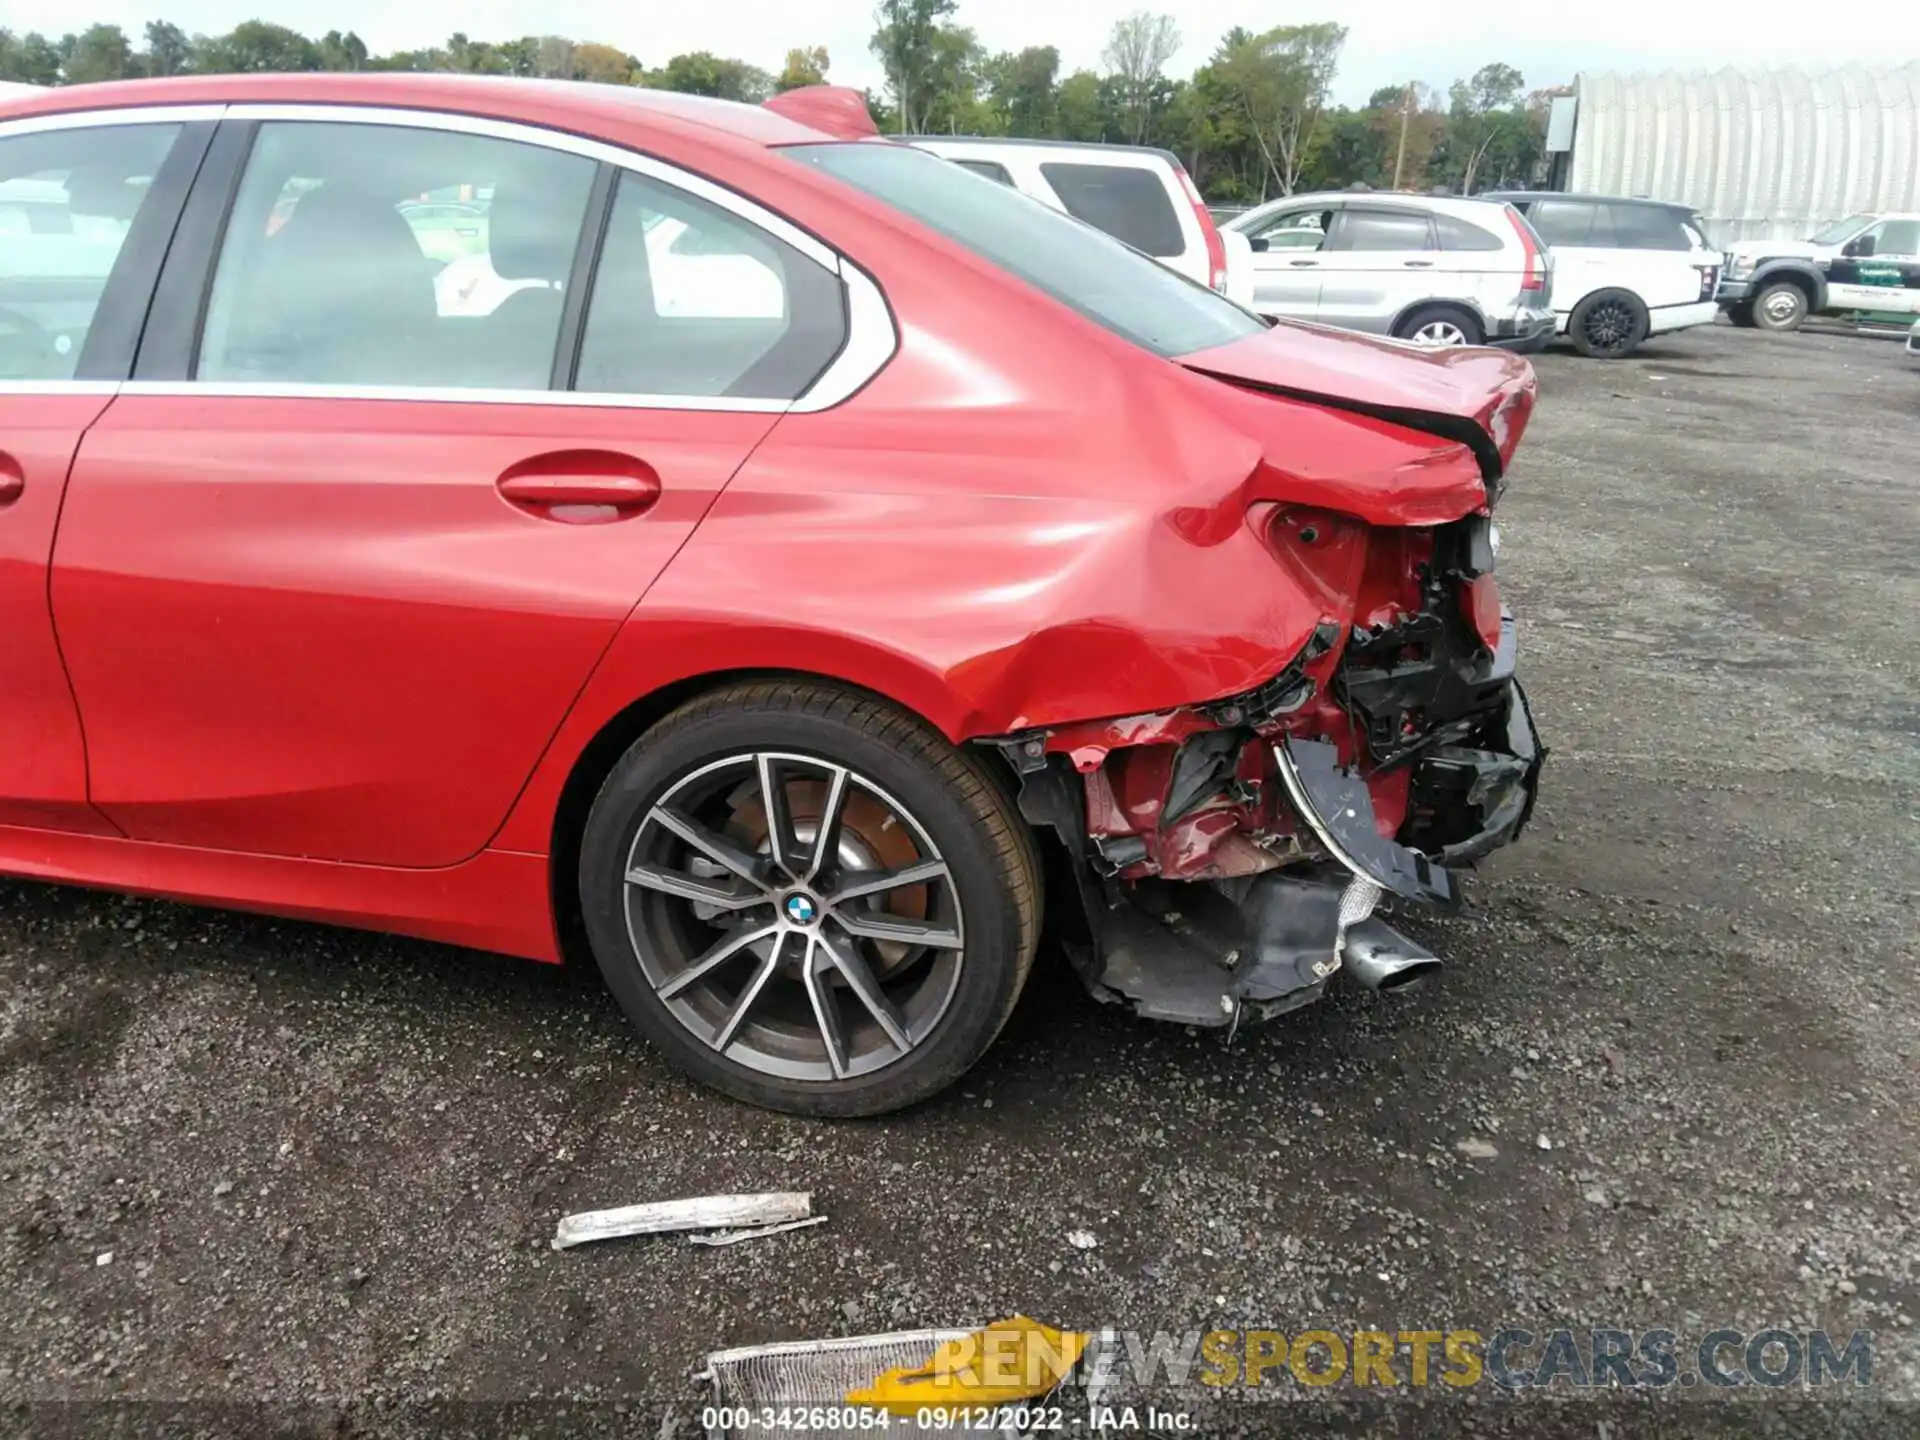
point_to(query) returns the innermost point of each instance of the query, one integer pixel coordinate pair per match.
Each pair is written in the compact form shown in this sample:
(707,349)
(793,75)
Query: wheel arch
(1809,280)
(1568,306)
(594,760)
(1469,308)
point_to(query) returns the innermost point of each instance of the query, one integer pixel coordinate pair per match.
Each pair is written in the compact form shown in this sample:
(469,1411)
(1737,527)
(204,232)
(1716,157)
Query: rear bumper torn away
(1225,948)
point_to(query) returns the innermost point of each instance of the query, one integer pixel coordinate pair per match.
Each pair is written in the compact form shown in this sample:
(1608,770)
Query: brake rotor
(871,838)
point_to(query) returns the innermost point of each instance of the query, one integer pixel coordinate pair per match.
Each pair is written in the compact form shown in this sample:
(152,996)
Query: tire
(716,762)
(1741,314)
(1608,324)
(1436,321)
(1780,306)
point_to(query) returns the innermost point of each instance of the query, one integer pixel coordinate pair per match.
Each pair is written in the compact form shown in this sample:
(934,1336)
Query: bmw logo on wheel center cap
(801,909)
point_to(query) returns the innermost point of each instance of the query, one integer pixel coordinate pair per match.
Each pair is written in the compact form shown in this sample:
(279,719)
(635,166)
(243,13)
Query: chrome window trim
(872,338)
(524,134)
(450,394)
(100,119)
(871,341)
(60,387)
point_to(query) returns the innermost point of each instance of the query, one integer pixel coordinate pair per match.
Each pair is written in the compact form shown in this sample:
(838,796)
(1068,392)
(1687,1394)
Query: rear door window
(67,201)
(1362,229)
(1127,202)
(1646,227)
(1458,234)
(690,299)
(1562,222)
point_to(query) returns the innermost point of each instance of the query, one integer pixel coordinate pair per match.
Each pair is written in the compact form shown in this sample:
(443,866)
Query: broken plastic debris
(708,1212)
(729,1237)
(1082,1239)
(1009,1360)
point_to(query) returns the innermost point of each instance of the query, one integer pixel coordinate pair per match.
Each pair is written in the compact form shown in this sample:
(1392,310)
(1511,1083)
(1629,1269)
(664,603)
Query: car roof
(1405,199)
(1590,199)
(551,102)
(1013,141)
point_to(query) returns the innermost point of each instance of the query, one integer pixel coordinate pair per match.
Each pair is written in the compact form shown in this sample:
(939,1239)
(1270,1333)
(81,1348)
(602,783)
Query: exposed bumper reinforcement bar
(1337,808)
(1217,952)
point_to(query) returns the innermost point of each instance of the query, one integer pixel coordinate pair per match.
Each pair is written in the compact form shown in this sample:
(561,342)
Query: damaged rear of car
(1122,614)
(1228,857)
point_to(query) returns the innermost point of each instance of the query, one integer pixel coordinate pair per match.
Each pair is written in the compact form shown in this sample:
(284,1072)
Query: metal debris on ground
(707,1212)
(731,1237)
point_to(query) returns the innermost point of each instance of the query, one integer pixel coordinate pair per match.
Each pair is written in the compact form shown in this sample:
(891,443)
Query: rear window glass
(1458,234)
(1128,203)
(1111,285)
(1645,227)
(1381,230)
(992,169)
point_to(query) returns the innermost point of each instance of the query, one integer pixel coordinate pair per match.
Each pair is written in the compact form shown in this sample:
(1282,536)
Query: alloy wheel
(1609,325)
(794,917)
(1438,334)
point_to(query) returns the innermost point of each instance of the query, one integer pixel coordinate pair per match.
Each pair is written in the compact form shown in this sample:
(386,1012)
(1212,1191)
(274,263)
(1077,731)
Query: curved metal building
(1763,154)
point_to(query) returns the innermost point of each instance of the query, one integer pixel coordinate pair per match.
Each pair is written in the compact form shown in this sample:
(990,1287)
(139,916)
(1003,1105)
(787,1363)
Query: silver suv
(1423,268)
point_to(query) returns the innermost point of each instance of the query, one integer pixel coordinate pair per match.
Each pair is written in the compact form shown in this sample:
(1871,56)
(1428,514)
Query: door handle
(1302,264)
(13,483)
(1418,264)
(575,494)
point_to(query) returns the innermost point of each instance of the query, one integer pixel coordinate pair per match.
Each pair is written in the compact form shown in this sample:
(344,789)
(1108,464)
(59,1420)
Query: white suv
(1623,269)
(1428,269)
(1139,195)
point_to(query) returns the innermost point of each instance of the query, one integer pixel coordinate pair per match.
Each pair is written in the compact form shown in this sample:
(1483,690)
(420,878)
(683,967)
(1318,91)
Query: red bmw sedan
(563,519)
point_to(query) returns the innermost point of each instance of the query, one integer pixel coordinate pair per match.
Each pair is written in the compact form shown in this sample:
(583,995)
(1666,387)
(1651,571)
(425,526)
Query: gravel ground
(298,1176)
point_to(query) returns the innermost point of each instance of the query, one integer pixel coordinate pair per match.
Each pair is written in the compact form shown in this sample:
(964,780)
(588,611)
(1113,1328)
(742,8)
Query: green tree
(256,46)
(604,65)
(804,67)
(1281,79)
(704,73)
(1137,52)
(342,52)
(1021,91)
(906,42)
(553,58)
(168,51)
(100,52)
(1490,137)
(31,59)
(1081,105)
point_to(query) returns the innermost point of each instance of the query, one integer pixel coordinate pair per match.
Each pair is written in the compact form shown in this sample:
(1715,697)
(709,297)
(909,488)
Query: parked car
(1622,269)
(1868,263)
(1142,196)
(1434,271)
(799,668)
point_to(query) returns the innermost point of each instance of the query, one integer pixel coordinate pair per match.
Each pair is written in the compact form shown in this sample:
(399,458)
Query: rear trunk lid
(1479,397)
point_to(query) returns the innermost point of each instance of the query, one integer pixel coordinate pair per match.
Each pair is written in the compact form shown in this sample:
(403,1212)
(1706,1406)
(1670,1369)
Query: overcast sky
(1388,41)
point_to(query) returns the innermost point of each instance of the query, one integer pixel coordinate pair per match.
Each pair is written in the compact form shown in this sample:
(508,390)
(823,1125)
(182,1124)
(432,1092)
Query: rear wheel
(808,899)
(1439,327)
(1608,324)
(1782,305)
